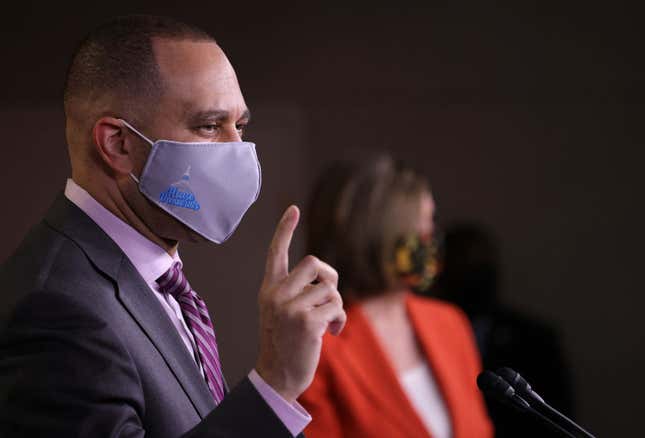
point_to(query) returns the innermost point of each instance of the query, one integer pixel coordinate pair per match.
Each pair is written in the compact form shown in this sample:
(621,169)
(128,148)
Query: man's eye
(209,128)
(240,128)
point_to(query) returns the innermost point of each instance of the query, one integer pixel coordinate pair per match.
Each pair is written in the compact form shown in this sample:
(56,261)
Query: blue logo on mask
(179,198)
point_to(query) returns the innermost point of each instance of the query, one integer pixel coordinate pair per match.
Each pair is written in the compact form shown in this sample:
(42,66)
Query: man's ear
(109,136)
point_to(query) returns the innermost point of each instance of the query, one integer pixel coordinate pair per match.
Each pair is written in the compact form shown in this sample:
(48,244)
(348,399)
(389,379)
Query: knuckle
(311,260)
(331,289)
(329,268)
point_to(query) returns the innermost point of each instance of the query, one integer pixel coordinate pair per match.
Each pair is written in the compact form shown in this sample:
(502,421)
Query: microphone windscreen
(494,386)
(511,376)
(519,383)
(491,383)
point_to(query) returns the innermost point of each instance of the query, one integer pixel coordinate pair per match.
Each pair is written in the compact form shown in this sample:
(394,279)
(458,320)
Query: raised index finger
(277,267)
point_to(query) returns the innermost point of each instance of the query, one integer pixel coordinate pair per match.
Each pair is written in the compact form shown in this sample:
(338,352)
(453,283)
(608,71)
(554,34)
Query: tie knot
(174,282)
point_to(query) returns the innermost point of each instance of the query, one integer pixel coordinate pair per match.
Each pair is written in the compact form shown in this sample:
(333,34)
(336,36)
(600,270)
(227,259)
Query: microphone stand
(493,385)
(524,389)
(550,422)
(563,419)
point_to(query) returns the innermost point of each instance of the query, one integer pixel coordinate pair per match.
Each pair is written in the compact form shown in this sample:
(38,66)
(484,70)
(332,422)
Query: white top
(425,395)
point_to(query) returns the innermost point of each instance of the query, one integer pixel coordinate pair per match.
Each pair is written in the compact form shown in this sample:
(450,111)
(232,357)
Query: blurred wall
(527,118)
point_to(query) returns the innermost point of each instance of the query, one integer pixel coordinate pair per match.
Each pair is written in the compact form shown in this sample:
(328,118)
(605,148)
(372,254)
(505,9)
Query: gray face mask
(206,186)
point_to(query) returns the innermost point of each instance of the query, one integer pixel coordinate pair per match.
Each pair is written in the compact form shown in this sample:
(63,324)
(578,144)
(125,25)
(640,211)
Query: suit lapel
(436,343)
(135,295)
(137,298)
(379,378)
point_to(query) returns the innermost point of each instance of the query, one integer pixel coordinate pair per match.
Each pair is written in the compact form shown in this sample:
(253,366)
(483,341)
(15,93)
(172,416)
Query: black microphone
(493,385)
(523,388)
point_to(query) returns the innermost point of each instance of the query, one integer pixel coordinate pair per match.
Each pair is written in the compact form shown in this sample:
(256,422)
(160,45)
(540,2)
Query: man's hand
(296,308)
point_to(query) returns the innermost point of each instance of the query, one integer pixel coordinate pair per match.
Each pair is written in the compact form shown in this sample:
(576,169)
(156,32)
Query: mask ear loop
(133,129)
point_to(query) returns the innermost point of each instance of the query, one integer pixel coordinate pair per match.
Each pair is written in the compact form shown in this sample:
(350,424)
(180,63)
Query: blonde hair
(355,228)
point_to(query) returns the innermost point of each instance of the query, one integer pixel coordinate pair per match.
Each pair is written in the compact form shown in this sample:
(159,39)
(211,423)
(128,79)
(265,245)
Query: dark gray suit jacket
(87,350)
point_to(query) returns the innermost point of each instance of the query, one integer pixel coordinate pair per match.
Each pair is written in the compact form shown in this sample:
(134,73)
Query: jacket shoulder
(47,260)
(439,309)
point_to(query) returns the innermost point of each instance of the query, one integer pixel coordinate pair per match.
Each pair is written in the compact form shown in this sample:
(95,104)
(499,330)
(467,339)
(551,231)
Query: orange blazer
(356,392)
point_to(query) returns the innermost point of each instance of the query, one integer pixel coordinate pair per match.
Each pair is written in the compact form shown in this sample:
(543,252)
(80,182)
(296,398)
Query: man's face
(201,102)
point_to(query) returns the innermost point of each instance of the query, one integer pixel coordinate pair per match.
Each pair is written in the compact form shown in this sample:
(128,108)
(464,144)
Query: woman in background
(404,366)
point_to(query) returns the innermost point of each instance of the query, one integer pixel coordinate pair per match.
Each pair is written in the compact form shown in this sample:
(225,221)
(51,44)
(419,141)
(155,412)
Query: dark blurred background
(526,118)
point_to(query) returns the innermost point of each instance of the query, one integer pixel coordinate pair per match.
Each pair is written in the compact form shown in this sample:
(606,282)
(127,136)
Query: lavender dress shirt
(151,261)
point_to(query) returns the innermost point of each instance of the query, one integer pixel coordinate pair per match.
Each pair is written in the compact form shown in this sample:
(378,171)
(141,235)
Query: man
(104,335)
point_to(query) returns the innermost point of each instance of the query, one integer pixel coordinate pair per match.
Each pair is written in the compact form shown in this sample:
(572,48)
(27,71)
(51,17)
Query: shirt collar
(148,258)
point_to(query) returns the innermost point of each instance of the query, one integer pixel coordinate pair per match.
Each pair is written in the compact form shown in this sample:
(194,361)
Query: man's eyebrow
(216,115)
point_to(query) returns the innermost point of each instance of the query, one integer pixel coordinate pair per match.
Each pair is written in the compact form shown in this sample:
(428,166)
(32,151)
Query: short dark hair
(356,213)
(118,58)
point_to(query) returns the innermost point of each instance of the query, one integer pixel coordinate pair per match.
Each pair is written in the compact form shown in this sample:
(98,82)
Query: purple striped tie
(196,315)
